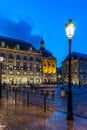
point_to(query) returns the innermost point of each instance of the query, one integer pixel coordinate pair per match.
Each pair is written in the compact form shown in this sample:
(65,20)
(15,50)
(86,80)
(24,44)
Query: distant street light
(1,61)
(70,28)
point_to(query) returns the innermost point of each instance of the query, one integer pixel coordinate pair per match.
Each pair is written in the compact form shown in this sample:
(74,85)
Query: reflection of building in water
(24,64)
(78,68)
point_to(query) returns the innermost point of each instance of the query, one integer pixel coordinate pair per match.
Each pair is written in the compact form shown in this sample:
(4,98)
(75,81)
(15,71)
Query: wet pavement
(19,116)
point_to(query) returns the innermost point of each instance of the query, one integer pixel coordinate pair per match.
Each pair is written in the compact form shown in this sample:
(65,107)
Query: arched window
(17,46)
(11,56)
(10,65)
(31,66)
(53,65)
(37,59)
(24,66)
(24,58)
(37,67)
(2,54)
(2,44)
(30,48)
(44,64)
(17,65)
(18,57)
(31,59)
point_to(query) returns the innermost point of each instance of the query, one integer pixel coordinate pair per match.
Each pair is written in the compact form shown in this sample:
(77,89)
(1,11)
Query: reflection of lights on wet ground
(2,126)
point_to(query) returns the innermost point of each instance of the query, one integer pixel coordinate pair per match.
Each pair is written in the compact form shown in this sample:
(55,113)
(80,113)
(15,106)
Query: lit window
(30,48)
(18,57)
(44,64)
(18,72)
(37,73)
(11,72)
(31,73)
(10,65)
(25,73)
(3,44)
(18,65)
(17,46)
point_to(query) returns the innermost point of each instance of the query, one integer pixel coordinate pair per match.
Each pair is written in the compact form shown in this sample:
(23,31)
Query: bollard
(34,90)
(53,92)
(63,93)
(27,98)
(44,102)
(15,96)
(41,91)
(7,94)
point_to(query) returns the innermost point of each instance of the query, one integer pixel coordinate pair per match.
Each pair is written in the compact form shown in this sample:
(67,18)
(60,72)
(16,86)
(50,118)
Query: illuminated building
(48,65)
(78,68)
(59,75)
(22,64)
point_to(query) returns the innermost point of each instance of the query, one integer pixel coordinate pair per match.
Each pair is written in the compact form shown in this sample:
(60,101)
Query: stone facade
(78,68)
(23,64)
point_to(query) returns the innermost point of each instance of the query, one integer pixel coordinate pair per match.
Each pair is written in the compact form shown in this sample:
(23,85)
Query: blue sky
(30,20)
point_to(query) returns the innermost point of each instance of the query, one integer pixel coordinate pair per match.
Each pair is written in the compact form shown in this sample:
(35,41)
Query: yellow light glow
(1,59)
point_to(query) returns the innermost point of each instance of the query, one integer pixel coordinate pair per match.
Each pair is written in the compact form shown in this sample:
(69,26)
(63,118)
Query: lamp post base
(69,109)
(70,117)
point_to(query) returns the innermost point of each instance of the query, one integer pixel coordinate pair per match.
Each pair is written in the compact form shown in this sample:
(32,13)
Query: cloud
(19,30)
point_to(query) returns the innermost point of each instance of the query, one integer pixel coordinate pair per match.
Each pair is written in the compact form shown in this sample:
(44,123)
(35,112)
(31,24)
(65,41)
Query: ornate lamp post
(1,61)
(70,28)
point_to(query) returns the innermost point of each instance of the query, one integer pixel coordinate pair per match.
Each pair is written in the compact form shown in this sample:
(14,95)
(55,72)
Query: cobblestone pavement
(22,117)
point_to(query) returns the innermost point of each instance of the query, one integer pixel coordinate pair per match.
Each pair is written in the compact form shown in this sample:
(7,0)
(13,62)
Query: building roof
(46,54)
(76,55)
(12,43)
(22,45)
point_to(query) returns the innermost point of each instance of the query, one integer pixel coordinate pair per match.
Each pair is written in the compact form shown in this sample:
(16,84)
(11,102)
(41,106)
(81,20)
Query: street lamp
(70,28)
(1,61)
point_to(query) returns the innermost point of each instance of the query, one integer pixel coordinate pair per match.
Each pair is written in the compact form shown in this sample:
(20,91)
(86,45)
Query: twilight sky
(30,20)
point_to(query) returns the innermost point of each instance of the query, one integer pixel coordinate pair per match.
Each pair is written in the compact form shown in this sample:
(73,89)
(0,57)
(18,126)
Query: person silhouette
(79,84)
